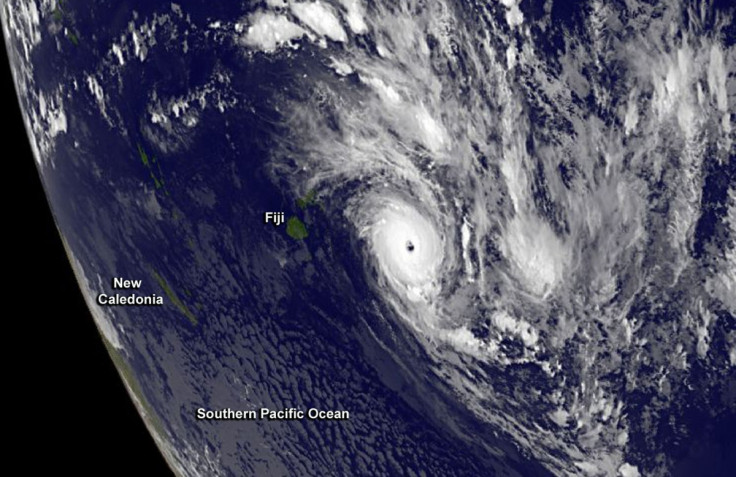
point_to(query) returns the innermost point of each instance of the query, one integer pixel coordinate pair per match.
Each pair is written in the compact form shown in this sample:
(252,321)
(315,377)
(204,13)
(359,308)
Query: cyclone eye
(409,246)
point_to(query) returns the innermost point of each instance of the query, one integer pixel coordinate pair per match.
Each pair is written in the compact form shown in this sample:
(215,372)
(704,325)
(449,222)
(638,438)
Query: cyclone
(407,246)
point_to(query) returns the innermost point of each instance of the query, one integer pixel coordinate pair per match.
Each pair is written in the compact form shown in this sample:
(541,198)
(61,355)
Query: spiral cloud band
(521,213)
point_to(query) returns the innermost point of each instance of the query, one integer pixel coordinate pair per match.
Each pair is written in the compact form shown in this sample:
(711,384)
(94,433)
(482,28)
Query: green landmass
(307,200)
(144,156)
(72,37)
(174,297)
(296,229)
(60,15)
(154,169)
(58,11)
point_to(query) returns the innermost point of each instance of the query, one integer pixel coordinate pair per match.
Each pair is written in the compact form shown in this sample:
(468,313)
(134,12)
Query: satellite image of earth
(400,237)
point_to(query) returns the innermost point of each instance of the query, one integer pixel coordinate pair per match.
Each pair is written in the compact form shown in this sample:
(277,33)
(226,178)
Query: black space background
(82,419)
